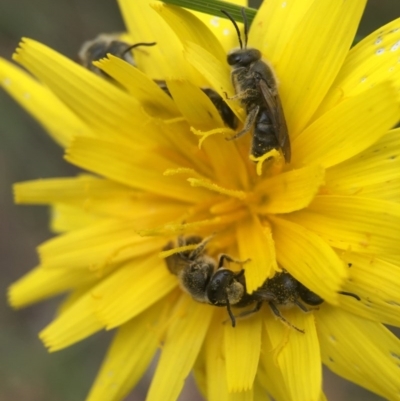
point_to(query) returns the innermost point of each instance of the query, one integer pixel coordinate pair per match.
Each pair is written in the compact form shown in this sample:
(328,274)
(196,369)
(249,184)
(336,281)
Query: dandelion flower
(330,218)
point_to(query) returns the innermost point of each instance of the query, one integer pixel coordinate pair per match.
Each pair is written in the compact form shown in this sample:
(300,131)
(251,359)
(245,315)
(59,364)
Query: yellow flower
(331,217)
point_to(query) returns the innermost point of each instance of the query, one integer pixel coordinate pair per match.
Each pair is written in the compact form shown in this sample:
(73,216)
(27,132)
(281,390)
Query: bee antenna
(231,315)
(246,27)
(236,27)
(137,45)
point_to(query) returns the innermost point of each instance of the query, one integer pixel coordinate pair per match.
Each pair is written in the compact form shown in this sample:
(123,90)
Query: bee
(257,88)
(208,281)
(98,48)
(227,115)
(205,279)
(284,289)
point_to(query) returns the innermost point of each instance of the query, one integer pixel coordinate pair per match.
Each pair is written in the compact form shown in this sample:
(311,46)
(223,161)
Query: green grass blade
(214,7)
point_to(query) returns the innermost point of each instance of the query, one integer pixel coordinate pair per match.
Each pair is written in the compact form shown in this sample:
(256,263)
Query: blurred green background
(27,371)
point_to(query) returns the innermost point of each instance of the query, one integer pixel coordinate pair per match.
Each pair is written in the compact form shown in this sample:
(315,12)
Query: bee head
(243,57)
(225,287)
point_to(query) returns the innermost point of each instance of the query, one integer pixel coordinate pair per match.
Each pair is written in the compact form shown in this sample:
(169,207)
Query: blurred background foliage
(27,371)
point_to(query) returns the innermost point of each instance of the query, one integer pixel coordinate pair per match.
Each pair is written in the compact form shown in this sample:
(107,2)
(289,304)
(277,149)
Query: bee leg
(251,311)
(229,259)
(250,120)
(301,306)
(242,95)
(231,315)
(277,313)
(200,248)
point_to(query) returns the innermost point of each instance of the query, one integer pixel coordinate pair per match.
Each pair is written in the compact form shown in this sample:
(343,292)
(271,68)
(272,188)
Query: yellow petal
(41,283)
(132,289)
(222,156)
(189,28)
(204,183)
(130,353)
(353,223)
(72,297)
(323,397)
(97,246)
(69,190)
(216,364)
(187,145)
(308,258)
(388,191)
(222,27)
(377,283)
(260,393)
(42,104)
(256,243)
(242,352)
(155,101)
(314,55)
(165,60)
(217,386)
(182,345)
(365,352)
(66,218)
(391,258)
(99,197)
(73,325)
(347,129)
(269,373)
(215,72)
(275,25)
(290,191)
(297,354)
(242,396)
(375,167)
(144,171)
(195,105)
(371,61)
(199,372)
(104,107)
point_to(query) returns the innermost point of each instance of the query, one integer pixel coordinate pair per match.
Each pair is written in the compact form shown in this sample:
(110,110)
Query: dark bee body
(98,48)
(209,282)
(227,115)
(204,279)
(103,44)
(284,289)
(256,87)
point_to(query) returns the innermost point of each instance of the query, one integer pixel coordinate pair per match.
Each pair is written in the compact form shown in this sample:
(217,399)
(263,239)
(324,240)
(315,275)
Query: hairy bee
(284,289)
(98,48)
(256,86)
(207,281)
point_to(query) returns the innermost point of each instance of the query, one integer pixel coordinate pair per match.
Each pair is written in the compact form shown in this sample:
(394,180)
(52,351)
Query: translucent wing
(274,105)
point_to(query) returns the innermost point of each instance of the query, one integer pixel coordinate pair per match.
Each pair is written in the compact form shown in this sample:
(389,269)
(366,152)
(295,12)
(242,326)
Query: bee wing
(273,102)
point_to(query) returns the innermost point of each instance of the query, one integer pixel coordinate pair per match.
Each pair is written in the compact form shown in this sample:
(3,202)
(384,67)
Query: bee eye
(234,58)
